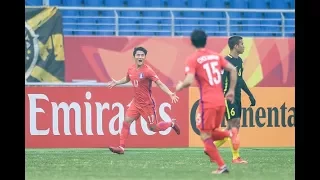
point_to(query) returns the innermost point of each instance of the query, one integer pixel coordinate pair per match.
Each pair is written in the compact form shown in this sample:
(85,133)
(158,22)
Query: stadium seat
(215,4)
(56,2)
(197,3)
(113,3)
(106,30)
(74,13)
(258,4)
(33,2)
(240,4)
(136,3)
(154,3)
(95,3)
(278,4)
(209,25)
(176,3)
(158,21)
(72,3)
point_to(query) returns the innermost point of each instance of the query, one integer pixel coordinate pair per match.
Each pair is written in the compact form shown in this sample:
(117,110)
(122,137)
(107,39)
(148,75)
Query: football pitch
(156,164)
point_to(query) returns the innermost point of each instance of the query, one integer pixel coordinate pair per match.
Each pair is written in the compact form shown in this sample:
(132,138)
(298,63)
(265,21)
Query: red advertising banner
(91,117)
(268,62)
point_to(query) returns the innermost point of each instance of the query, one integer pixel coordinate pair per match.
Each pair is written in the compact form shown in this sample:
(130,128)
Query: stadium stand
(158,23)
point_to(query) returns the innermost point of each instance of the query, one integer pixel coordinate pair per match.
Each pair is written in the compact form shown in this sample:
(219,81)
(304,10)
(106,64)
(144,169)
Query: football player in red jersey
(143,104)
(206,67)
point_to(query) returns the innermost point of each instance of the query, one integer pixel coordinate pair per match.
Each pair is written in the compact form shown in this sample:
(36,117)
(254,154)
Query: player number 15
(213,73)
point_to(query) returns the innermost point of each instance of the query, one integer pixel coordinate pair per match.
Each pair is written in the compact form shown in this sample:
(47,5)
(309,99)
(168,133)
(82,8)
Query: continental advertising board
(268,124)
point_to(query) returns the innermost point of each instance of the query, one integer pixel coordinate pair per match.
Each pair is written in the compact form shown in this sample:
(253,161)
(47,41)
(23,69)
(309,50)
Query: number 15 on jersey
(213,72)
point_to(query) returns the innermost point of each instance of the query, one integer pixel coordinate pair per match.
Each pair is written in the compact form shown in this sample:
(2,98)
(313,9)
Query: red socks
(124,133)
(161,126)
(213,152)
(219,134)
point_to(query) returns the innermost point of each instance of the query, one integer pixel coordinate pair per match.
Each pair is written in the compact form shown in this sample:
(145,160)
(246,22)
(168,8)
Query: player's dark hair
(198,38)
(233,40)
(144,50)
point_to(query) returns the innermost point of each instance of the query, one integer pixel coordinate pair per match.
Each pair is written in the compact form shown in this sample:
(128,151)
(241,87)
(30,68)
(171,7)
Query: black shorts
(233,110)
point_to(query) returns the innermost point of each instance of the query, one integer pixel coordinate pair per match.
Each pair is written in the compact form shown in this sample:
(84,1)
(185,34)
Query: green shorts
(234,110)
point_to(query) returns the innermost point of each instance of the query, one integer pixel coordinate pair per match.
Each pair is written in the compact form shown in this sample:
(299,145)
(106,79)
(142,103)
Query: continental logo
(260,117)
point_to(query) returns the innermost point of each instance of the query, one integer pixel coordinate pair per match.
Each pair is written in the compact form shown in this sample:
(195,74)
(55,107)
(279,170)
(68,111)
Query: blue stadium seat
(123,33)
(100,33)
(136,3)
(264,24)
(70,13)
(89,19)
(176,3)
(69,19)
(189,25)
(83,33)
(72,2)
(166,17)
(257,4)
(33,2)
(166,28)
(56,2)
(106,30)
(290,26)
(94,3)
(154,14)
(113,3)
(278,4)
(154,3)
(292,4)
(209,25)
(148,30)
(241,4)
(197,3)
(215,4)
(129,13)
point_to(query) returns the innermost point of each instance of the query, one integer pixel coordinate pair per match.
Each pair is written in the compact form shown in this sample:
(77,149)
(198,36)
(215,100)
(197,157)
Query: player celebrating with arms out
(143,104)
(206,66)
(233,110)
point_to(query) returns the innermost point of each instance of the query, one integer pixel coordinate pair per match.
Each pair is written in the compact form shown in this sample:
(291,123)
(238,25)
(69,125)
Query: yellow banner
(271,123)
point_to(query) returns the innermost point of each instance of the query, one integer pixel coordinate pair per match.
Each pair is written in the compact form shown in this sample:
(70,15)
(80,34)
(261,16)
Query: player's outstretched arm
(165,89)
(188,80)
(121,81)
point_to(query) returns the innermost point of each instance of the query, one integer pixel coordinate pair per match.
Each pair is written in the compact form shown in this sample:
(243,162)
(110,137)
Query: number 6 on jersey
(213,73)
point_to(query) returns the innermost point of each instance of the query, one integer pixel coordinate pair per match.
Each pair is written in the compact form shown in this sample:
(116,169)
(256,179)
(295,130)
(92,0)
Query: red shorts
(148,113)
(209,119)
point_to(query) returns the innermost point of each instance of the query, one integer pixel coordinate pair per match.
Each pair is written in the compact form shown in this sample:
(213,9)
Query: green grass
(155,164)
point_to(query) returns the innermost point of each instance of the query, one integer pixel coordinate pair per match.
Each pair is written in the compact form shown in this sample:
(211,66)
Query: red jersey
(141,80)
(207,67)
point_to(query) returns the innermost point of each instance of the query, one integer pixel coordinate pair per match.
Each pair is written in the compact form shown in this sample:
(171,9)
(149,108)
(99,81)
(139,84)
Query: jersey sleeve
(152,75)
(128,75)
(190,66)
(223,61)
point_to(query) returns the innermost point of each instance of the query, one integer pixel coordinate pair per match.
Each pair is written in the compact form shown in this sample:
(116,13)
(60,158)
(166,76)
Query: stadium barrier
(72,116)
(268,124)
(90,116)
